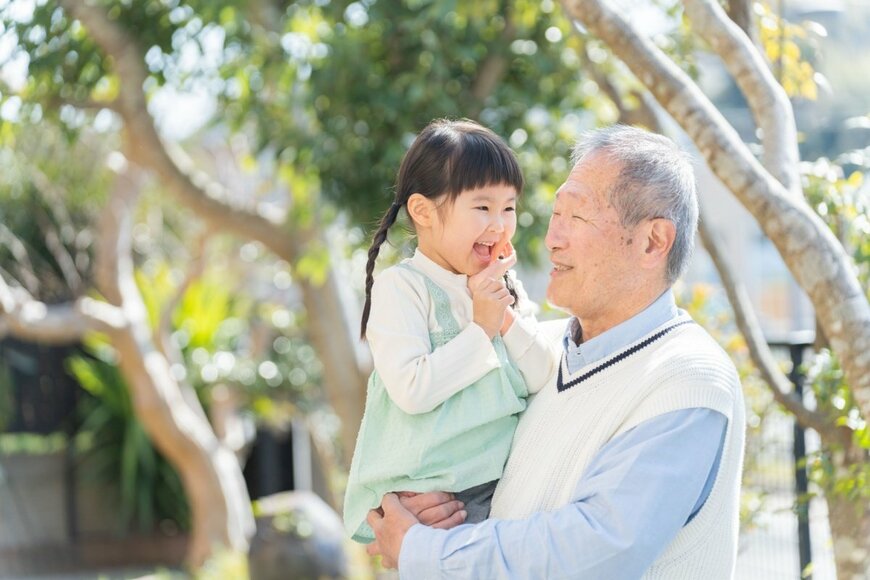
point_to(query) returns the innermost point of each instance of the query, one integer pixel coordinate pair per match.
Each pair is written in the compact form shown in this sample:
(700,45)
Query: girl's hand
(489,295)
(509,317)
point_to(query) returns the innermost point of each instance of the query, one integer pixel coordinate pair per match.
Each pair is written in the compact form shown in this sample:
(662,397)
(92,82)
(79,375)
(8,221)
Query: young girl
(453,361)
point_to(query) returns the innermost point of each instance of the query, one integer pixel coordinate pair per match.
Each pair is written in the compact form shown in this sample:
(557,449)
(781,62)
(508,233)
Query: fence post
(797,342)
(796,350)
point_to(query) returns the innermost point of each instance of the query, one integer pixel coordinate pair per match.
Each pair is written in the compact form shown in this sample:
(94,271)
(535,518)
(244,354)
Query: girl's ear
(421,210)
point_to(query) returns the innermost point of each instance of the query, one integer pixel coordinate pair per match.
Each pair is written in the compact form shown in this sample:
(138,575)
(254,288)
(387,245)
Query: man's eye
(577,217)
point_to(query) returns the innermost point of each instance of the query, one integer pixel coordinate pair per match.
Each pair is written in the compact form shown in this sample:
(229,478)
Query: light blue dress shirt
(625,510)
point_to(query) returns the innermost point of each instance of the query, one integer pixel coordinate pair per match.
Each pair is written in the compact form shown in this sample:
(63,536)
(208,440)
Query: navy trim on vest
(609,363)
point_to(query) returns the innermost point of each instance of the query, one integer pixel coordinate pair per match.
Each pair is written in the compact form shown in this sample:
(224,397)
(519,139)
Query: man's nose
(554,239)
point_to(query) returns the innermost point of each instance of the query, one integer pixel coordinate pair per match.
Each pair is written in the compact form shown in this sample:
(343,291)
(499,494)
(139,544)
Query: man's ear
(421,210)
(659,239)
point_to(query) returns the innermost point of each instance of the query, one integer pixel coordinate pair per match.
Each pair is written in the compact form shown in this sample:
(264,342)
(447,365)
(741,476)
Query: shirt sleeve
(416,377)
(534,353)
(638,492)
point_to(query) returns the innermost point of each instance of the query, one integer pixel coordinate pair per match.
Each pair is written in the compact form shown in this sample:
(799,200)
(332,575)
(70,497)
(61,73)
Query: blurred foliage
(787,46)
(333,90)
(709,307)
(843,202)
(32,443)
(224,564)
(117,451)
(45,229)
(227,337)
(212,328)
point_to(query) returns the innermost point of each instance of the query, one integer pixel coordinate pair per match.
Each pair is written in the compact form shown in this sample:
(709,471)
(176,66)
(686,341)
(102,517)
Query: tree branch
(54,201)
(767,100)
(643,114)
(740,11)
(492,70)
(23,317)
(194,272)
(169,410)
(330,333)
(207,198)
(747,322)
(85,104)
(809,249)
(26,273)
(113,261)
(61,256)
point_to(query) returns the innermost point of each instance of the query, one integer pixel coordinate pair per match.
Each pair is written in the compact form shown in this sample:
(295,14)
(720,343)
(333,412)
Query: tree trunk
(332,335)
(222,518)
(813,255)
(850,529)
(220,506)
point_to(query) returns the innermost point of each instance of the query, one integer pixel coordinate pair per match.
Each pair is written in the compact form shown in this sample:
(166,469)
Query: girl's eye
(510,209)
(482,207)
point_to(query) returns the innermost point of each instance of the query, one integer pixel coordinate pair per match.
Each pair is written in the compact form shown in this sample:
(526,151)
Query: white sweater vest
(677,366)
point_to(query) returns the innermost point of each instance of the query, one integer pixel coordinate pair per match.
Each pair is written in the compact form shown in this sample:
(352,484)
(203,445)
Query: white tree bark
(766,98)
(212,478)
(811,252)
(747,322)
(23,317)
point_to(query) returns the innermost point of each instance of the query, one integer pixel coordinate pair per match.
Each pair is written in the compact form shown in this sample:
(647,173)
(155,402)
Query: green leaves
(120,453)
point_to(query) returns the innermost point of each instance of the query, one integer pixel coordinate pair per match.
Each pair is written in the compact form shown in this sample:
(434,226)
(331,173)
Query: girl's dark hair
(447,158)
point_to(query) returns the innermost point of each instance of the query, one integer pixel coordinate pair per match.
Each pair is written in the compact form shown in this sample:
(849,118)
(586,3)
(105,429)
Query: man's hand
(489,295)
(393,520)
(390,528)
(437,509)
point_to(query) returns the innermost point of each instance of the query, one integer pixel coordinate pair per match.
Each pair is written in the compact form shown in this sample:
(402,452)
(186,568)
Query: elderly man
(628,465)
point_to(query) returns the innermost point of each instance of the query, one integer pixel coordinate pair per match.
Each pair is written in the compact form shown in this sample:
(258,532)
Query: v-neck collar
(565,380)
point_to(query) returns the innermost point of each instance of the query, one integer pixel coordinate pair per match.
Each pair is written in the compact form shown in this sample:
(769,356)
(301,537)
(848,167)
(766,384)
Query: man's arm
(635,496)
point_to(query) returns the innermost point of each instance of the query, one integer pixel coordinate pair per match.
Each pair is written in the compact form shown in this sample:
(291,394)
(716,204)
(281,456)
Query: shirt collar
(438,274)
(579,355)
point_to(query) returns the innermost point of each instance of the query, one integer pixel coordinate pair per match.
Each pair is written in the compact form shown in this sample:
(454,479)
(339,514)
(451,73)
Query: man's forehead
(573,190)
(588,179)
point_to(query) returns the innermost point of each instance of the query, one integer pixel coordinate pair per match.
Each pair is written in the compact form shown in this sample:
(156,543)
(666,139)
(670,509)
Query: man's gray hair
(656,180)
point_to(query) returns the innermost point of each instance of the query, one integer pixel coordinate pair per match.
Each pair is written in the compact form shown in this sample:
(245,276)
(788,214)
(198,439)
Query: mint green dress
(462,443)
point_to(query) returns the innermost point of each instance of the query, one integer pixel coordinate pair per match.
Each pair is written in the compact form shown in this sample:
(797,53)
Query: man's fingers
(424,501)
(390,501)
(439,513)
(375,517)
(452,521)
(373,549)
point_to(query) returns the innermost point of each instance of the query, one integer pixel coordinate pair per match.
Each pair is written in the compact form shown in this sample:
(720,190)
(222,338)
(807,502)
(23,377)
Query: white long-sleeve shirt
(418,378)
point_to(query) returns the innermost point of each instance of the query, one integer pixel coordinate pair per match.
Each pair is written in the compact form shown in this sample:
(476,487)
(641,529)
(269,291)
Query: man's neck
(589,328)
